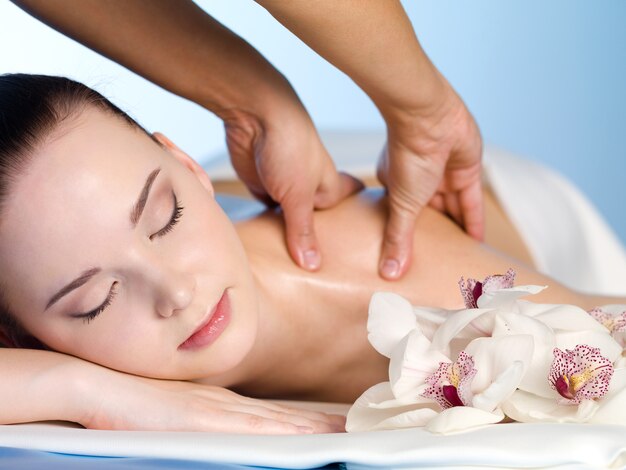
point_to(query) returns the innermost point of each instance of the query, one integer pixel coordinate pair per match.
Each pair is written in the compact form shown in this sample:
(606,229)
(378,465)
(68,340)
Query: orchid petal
(501,388)
(528,408)
(429,319)
(613,309)
(461,418)
(419,416)
(601,340)
(612,317)
(544,340)
(504,297)
(561,317)
(613,405)
(473,289)
(492,356)
(612,411)
(390,318)
(363,417)
(499,281)
(620,362)
(412,361)
(408,399)
(452,326)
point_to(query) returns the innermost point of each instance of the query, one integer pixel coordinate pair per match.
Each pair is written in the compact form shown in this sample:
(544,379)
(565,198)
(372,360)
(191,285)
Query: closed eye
(87,317)
(177,213)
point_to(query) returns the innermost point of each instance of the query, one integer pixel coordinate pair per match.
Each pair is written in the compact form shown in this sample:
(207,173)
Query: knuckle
(395,240)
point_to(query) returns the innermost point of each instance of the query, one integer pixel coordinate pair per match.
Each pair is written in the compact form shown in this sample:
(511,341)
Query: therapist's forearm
(176,45)
(373,42)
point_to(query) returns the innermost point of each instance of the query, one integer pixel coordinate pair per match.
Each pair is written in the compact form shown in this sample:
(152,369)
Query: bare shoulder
(350,237)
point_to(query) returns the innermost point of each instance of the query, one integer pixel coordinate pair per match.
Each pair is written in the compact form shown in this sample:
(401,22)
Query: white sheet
(500,446)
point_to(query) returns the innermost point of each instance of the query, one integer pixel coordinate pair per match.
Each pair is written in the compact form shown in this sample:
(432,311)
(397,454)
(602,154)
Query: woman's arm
(40,386)
(45,385)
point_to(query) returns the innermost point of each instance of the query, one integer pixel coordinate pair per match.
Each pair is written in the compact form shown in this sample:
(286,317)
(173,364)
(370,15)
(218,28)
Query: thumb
(300,231)
(397,249)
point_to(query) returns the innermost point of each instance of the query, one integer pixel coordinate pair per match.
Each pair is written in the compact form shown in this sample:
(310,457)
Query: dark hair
(32,108)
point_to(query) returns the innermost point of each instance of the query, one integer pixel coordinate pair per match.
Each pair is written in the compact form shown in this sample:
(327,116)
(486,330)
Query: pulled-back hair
(32,108)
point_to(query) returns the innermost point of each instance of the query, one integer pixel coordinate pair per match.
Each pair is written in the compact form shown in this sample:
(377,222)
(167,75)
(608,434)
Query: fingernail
(311,259)
(305,429)
(391,268)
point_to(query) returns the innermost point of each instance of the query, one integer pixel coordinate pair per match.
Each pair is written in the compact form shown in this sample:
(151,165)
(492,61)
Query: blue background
(546,80)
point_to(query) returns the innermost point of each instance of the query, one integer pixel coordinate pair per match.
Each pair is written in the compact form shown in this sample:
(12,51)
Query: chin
(235,346)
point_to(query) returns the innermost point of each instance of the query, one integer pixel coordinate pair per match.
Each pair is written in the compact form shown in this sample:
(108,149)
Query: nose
(175,292)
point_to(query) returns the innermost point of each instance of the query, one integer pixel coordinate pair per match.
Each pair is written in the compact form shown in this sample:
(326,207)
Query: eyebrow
(135,215)
(76,283)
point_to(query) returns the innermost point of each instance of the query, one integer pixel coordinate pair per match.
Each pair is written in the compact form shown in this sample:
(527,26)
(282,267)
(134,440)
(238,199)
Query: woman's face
(106,223)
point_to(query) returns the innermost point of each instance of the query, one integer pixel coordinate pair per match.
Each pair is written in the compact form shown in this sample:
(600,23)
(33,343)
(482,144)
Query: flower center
(562,386)
(569,386)
(454,376)
(578,380)
(451,395)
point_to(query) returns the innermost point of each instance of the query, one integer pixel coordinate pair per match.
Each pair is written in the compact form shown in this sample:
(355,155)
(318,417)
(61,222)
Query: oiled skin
(324,353)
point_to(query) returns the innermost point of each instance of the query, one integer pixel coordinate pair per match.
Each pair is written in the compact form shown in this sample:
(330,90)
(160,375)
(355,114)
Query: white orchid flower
(530,362)
(584,389)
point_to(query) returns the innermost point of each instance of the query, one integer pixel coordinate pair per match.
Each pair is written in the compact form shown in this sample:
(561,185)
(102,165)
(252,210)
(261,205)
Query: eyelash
(176,215)
(87,317)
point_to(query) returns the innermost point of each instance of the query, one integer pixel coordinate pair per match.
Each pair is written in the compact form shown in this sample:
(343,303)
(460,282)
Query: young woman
(151,310)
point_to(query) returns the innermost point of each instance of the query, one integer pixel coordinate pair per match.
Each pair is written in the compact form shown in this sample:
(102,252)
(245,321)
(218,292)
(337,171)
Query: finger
(472,208)
(246,423)
(398,243)
(453,208)
(319,426)
(341,186)
(317,415)
(300,231)
(438,203)
(335,419)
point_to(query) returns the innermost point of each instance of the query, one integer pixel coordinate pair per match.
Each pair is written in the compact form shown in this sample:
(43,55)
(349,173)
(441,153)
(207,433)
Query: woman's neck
(311,327)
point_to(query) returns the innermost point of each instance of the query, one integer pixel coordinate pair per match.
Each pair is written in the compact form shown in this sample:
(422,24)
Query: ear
(186,160)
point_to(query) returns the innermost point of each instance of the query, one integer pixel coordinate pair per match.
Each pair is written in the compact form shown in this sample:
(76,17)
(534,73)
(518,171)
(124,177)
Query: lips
(211,327)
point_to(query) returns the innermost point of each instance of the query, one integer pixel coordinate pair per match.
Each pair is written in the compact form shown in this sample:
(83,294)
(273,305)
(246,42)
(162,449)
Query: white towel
(566,236)
(500,446)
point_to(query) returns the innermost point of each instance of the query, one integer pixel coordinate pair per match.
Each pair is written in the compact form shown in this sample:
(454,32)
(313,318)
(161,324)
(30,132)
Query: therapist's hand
(282,160)
(432,159)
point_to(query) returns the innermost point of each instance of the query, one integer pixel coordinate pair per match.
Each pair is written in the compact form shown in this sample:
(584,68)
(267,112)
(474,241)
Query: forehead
(74,194)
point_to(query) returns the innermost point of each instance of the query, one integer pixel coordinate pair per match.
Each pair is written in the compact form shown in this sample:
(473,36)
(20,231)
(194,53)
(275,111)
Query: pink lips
(211,328)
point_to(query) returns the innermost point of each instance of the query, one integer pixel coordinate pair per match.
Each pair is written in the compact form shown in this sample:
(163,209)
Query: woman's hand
(118,401)
(430,158)
(283,161)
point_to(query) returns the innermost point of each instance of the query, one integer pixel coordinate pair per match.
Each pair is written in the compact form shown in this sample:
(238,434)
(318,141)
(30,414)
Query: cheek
(210,241)
(123,345)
